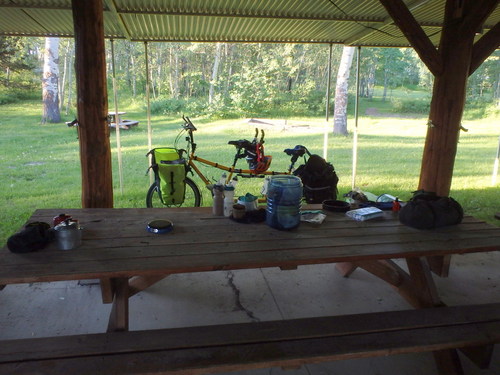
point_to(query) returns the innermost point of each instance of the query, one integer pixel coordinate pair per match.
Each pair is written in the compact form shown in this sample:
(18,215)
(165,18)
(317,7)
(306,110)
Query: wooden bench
(287,343)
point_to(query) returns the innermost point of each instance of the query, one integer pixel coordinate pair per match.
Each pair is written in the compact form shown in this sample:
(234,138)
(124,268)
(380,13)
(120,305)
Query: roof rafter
(387,21)
(415,34)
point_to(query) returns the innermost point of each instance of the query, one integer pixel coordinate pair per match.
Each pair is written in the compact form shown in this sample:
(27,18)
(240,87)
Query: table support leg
(447,361)
(106,290)
(139,283)
(480,355)
(346,268)
(391,273)
(423,283)
(118,320)
(440,265)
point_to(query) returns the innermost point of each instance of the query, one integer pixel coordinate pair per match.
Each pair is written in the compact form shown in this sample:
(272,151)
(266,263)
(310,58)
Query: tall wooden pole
(356,118)
(92,104)
(327,104)
(148,102)
(117,119)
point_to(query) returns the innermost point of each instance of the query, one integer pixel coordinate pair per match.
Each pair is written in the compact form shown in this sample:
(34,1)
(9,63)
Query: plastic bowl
(336,206)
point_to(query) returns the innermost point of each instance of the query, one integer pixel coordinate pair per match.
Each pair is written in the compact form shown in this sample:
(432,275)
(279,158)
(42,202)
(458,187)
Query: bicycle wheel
(192,196)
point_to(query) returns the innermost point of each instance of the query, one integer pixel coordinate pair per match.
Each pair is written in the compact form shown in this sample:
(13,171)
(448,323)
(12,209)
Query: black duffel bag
(33,237)
(427,210)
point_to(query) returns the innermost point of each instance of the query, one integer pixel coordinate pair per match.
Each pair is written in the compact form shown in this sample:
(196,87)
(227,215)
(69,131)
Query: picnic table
(124,124)
(118,250)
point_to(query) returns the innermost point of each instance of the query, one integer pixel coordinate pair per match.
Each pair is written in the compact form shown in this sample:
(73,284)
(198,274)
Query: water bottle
(283,202)
(218,203)
(228,200)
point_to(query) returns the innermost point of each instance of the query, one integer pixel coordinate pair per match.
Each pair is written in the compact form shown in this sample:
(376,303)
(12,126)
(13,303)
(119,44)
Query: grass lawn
(40,164)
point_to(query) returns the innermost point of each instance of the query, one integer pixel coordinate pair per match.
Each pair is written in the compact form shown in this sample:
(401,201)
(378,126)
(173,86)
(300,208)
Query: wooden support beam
(484,47)
(440,264)
(346,268)
(448,101)
(92,104)
(118,319)
(479,355)
(107,291)
(403,18)
(423,282)
(140,283)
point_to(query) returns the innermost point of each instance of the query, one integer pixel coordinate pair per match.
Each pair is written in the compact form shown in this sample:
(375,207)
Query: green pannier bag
(170,170)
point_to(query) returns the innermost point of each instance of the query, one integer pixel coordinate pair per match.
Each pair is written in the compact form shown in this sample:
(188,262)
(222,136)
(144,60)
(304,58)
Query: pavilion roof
(360,22)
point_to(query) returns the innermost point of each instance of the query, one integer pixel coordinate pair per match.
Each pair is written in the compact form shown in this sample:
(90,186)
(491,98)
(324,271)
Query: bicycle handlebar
(188,125)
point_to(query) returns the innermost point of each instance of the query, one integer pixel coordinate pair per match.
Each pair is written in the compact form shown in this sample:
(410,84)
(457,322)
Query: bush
(410,106)
(10,96)
(166,106)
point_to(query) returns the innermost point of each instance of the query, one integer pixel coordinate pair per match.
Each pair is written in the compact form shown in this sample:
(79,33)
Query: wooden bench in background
(289,344)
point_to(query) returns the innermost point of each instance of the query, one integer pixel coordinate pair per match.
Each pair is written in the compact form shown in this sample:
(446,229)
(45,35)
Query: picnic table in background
(124,124)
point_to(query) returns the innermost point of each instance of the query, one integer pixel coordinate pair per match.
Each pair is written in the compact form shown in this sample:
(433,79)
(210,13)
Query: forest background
(224,80)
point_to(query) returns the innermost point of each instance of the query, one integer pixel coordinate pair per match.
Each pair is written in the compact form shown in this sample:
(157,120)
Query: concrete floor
(65,308)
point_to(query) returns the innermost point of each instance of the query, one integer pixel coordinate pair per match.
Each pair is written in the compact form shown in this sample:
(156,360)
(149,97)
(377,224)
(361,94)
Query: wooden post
(92,104)
(447,104)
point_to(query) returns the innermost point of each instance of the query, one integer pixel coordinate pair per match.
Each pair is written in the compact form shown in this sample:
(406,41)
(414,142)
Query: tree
(17,57)
(341,95)
(215,72)
(50,81)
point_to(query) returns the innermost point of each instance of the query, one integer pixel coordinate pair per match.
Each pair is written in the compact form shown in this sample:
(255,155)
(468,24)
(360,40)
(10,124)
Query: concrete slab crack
(237,299)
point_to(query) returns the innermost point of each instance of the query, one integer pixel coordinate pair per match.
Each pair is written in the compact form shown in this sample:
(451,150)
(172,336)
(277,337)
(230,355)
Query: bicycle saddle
(298,150)
(242,143)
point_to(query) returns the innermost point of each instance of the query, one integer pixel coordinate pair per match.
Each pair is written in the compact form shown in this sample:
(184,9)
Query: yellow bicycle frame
(232,169)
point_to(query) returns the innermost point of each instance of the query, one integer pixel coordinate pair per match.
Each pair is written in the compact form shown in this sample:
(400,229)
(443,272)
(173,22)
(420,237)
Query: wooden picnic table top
(116,244)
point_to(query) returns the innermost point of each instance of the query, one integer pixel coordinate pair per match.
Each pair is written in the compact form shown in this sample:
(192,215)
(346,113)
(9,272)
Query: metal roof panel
(363,22)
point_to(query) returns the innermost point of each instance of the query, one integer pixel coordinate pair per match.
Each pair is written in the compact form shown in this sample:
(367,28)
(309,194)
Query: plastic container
(218,201)
(283,202)
(228,200)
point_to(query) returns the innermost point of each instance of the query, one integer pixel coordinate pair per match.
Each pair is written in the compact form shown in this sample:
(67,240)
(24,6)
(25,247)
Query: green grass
(40,164)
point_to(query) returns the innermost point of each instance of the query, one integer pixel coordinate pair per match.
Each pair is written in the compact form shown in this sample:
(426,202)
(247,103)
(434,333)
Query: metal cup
(68,235)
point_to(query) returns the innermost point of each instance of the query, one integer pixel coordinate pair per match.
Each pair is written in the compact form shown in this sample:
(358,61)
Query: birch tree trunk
(62,83)
(215,73)
(174,71)
(70,81)
(340,112)
(50,81)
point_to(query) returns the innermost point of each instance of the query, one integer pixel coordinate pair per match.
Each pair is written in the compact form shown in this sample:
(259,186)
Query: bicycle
(251,151)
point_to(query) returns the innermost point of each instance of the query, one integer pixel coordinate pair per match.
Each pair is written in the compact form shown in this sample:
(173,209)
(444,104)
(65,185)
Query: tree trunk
(341,91)
(134,76)
(93,129)
(215,73)
(70,82)
(229,59)
(50,81)
(386,79)
(174,72)
(66,67)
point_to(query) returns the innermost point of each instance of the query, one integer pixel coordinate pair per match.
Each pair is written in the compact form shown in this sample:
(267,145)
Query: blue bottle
(283,202)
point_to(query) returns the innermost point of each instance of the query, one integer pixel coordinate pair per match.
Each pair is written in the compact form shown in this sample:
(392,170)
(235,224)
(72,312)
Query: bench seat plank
(252,345)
